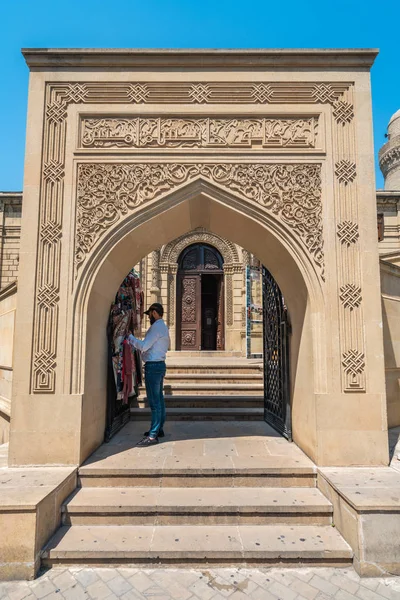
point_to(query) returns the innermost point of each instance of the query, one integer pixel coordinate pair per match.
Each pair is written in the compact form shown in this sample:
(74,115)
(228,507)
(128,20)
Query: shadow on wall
(390,288)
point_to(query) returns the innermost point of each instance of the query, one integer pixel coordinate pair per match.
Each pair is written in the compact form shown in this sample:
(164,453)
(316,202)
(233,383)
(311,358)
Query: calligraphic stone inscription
(138,132)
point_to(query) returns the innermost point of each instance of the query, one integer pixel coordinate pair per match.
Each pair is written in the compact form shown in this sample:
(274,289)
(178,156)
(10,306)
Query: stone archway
(263,152)
(249,226)
(233,269)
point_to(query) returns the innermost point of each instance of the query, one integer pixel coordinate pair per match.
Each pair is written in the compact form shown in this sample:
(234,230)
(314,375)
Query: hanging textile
(126,317)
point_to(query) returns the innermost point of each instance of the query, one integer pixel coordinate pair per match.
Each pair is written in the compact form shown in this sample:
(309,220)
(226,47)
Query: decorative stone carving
(172,271)
(348,233)
(53,171)
(240,133)
(200,93)
(350,296)
(351,331)
(155,274)
(137,93)
(57,98)
(171,252)
(343,112)
(262,93)
(75,93)
(353,364)
(214,92)
(56,112)
(324,92)
(389,159)
(229,298)
(345,171)
(107,192)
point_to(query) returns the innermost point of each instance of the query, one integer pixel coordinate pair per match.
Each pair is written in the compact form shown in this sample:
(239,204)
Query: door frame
(181,273)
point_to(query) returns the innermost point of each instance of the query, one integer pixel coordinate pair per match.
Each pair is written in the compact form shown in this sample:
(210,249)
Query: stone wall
(390,286)
(10,229)
(8,300)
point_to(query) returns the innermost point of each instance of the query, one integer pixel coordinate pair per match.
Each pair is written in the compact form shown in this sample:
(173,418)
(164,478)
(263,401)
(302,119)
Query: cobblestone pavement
(206,584)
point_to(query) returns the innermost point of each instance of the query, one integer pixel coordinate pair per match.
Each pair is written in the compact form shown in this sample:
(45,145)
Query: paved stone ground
(206,584)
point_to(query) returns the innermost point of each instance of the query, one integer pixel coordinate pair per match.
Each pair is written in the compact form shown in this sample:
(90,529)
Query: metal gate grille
(276,358)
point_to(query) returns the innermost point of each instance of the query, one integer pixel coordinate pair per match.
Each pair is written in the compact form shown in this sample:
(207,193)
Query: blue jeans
(154,379)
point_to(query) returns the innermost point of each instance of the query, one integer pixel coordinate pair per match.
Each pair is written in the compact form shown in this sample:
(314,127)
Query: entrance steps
(236,545)
(195,388)
(231,494)
(197,506)
(178,354)
(200,413)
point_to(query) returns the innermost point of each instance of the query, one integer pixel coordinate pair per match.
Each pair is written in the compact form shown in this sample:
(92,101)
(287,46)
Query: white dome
(395,116)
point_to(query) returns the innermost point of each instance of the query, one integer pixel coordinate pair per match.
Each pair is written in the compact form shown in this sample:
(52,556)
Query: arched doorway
(200,294)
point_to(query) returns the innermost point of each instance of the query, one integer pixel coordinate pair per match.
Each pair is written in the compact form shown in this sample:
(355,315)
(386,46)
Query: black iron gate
(276,358)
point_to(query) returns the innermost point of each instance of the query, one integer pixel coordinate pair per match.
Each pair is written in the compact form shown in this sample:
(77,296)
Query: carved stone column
(228,271)
(155,272)
(172,272)
(246,263)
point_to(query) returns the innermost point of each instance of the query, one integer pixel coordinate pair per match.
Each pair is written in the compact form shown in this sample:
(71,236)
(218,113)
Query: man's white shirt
(155,345)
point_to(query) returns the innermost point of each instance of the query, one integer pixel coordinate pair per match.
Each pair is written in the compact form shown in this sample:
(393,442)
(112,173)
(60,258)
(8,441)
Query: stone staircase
(211,493)
(210,386)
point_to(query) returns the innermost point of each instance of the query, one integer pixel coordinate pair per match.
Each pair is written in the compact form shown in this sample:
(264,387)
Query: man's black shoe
(159,434)
(146,441)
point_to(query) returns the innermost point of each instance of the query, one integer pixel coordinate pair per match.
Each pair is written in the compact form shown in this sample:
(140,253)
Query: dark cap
(157,307)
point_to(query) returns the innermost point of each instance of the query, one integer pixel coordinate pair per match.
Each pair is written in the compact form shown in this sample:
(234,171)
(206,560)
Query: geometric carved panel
(350,296)
(343,112)
(348,232)
(345,171)
(353,364)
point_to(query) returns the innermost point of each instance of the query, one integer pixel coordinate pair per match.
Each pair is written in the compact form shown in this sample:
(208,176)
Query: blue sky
(189,24)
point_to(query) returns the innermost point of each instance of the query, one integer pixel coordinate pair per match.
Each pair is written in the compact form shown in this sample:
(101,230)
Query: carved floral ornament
(306,218)
(171,252)
(109,192)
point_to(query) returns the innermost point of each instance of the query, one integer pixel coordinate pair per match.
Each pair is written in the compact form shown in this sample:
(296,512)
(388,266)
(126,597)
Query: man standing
(154,349)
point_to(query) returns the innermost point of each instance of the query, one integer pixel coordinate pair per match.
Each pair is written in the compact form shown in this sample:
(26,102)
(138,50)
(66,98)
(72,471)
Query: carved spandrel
(138,132)
(108,192)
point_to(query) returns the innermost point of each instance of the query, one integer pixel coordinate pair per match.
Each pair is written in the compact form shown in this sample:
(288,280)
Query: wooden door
(221,316)
(189,292)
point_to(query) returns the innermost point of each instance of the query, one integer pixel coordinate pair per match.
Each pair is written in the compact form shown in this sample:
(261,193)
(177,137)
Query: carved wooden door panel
(190,312)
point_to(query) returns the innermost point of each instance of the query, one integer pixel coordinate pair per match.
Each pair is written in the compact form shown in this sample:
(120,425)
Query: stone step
(203,414)
(205,354)
(178,401)
(184,370)
(197,506)
(214,367)
(209,378)
(194,544)
(211,389)
(199,472)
